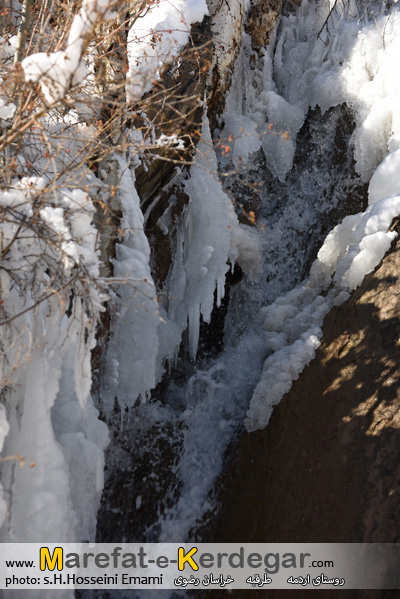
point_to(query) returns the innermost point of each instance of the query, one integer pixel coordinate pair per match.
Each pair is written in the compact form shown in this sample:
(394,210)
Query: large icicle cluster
(210,240)
(204,244)
(51,297)
(50,304)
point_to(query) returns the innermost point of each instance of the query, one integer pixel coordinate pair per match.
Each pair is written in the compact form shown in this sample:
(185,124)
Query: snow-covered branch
(58,71)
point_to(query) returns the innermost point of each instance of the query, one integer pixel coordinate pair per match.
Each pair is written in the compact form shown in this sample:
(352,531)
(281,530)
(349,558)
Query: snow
(227,31)
(280,370)
(7,47)
(350,61)
(357,245)
(58,71)
(48,414)
(246,251)
(6,110)
(292,331)
(83,439)
(4,426)
(273,328)
(384,182)
(273,344)
(372,85)
(47,512)
(245,141)
(170,141)
(4,430)
(356,64)
(284,117)
(155,38)
(207,227)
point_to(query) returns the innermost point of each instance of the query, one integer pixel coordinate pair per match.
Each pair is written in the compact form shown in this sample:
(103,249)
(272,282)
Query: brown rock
(261,20)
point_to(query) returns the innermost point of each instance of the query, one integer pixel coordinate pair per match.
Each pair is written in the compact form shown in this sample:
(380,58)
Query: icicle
(133,347)
(209,238)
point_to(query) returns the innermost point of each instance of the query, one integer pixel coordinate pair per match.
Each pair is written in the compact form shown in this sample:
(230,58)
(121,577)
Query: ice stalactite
(209,242)
(132,350)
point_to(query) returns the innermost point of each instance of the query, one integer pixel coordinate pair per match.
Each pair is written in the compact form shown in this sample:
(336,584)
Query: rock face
(262,16)
(327,469)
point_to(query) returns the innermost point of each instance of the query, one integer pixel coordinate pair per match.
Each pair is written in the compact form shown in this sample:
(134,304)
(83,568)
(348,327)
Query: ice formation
(51,298)
(48,415)
(273,344)
(210,241)
(132,350)
(50,418)
(38,341)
